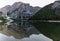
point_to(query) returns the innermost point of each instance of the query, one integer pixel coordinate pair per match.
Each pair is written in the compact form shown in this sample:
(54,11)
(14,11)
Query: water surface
(21,31)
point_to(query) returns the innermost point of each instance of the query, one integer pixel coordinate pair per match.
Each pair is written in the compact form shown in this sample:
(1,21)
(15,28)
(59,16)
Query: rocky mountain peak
(56,4)
(5,9)
(18,5)
(19,8)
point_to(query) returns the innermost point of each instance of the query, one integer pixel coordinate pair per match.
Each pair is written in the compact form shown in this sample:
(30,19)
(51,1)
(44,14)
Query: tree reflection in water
(20,31)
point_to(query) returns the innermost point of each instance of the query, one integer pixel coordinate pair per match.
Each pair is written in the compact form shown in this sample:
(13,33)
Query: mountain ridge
(49,12)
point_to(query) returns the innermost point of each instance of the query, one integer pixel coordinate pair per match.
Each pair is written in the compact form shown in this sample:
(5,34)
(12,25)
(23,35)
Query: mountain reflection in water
(21,32)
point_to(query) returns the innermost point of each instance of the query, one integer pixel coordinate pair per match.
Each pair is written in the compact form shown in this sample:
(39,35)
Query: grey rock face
(5,9)
(56,6)
(57,11)
(21,10)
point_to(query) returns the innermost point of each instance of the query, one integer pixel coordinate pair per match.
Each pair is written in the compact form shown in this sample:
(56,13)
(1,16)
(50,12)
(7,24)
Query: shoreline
(45,21)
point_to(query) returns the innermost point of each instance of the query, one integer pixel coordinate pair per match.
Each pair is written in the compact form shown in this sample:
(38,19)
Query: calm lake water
(24,31)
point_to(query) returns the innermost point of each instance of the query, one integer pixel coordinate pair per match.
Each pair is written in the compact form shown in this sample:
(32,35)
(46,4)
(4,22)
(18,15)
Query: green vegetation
(3,18)
(51,30)
(2,23)
(46,13)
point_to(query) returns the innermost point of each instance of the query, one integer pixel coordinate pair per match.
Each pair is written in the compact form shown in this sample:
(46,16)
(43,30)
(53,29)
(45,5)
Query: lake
(25,31)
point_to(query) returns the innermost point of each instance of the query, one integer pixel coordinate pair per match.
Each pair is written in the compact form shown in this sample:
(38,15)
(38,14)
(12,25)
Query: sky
(33,37)
(40,3)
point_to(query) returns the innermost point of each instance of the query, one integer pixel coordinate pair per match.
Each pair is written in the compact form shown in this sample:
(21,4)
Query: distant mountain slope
(5,9)
(49,12)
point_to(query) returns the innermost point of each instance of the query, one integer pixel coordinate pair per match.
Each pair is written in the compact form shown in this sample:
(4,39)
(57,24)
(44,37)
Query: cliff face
(51,11)
(5,9)
(56,6)
(21,9)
